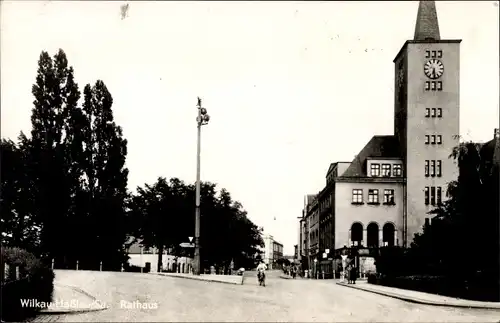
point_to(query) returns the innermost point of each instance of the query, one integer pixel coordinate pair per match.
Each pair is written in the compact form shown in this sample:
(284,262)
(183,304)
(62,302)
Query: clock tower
(426,116)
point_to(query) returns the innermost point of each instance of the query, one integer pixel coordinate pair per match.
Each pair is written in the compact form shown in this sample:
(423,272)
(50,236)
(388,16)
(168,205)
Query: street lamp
(201,120)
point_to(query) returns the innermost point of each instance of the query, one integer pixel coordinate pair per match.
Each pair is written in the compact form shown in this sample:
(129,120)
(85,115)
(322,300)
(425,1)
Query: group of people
(291,270)
(351,274)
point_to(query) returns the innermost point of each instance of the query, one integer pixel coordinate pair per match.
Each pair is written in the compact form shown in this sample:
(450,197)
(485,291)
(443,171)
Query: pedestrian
(354,275)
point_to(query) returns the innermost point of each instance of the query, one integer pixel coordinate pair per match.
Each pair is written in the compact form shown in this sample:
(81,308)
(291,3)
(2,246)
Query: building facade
(273,251)
(383,196)
(148,257)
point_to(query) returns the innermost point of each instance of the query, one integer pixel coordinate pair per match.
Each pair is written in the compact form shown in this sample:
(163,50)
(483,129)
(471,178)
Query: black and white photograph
(250,161)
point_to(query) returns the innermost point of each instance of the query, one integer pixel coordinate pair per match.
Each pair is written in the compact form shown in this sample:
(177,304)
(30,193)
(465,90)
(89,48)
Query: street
(281,300)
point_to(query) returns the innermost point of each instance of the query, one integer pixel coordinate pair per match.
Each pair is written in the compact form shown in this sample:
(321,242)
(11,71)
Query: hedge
(36,283)
(476,288)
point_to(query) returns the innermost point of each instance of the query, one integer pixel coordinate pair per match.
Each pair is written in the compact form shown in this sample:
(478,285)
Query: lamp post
(201,120)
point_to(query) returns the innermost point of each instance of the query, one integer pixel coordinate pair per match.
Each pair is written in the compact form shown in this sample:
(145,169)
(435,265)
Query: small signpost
(190,239)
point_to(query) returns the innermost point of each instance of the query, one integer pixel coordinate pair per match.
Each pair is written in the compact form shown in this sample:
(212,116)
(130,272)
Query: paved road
(280,301)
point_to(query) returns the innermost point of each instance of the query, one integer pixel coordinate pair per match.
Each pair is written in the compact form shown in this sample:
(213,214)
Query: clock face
(434,68)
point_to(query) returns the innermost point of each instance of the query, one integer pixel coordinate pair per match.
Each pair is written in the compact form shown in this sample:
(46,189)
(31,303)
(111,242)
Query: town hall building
(383,196)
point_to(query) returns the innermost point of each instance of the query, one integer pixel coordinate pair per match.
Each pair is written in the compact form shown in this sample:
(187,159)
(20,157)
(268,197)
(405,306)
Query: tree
(466,225)
(55,93)
(102,163)
(165,214)
(19,225)
(69,174)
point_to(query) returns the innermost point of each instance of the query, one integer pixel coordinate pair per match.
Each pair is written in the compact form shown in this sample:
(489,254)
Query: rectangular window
(427,54)
(373,196)
(375,169)
(433,168)
(433,195)
(433,114)
(433,85)
(386,170)
(439,195)
(427,139)
(439,139)
(397,170)
(438,168)
(427,195)
(433,139)
(427,112)
(357,196)
(388,196)
(439,112)
(439,54)
(426,168)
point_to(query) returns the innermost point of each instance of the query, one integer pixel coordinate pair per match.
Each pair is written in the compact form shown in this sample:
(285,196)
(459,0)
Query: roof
(427,26)
(378,146)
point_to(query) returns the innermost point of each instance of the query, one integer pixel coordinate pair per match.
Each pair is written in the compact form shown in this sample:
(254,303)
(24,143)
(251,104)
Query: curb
(203,280)
(75,311)
(420,301)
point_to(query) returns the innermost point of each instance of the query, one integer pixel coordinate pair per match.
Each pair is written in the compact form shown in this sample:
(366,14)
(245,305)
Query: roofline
(388,158)
(429,41)
(370,180)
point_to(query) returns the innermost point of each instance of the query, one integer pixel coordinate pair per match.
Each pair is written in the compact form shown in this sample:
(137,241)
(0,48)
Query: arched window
(372,235)
(183,268)
(388,234)
(357,233)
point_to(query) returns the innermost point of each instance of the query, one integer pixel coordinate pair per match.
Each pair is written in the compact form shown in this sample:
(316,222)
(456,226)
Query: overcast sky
(290,86)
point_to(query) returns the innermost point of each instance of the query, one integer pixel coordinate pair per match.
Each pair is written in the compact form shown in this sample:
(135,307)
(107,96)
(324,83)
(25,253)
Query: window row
(433,85)
(433,54)
(373,196)
(433,139)
(433,195)
(373,235)
(397,170)
(433,113)
(433,168)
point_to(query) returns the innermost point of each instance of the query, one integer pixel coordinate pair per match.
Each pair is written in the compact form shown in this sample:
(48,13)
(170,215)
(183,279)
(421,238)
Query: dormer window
(397,170)
(375,170)
(386,170)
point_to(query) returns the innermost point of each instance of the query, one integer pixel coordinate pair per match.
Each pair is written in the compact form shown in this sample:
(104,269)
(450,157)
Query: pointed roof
(427,26)
(378,146)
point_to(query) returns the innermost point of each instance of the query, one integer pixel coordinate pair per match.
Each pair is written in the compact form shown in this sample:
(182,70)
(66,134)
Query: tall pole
(197,259)
(201,120)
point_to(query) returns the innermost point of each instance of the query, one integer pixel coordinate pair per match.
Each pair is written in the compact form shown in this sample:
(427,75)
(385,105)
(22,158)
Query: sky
(290,86)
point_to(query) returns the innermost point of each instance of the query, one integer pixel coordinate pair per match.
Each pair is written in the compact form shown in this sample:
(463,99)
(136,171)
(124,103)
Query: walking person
(354,275)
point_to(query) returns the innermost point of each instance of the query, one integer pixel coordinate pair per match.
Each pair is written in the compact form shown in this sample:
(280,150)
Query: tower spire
(427,26)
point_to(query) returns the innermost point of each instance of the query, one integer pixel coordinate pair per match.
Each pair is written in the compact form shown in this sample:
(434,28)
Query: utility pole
(201,120)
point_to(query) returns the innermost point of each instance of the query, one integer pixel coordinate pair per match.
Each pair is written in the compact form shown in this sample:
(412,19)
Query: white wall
(168,261)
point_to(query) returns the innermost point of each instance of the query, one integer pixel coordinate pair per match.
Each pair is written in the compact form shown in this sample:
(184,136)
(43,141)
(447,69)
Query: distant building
(140,256)
(273,251)
(383,196)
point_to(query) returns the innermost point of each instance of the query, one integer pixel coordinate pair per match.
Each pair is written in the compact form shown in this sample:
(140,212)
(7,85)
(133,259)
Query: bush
(36,283)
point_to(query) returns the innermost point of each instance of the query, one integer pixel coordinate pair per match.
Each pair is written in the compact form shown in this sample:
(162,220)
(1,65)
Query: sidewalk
(227,279)
(70,299)
(420,297)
